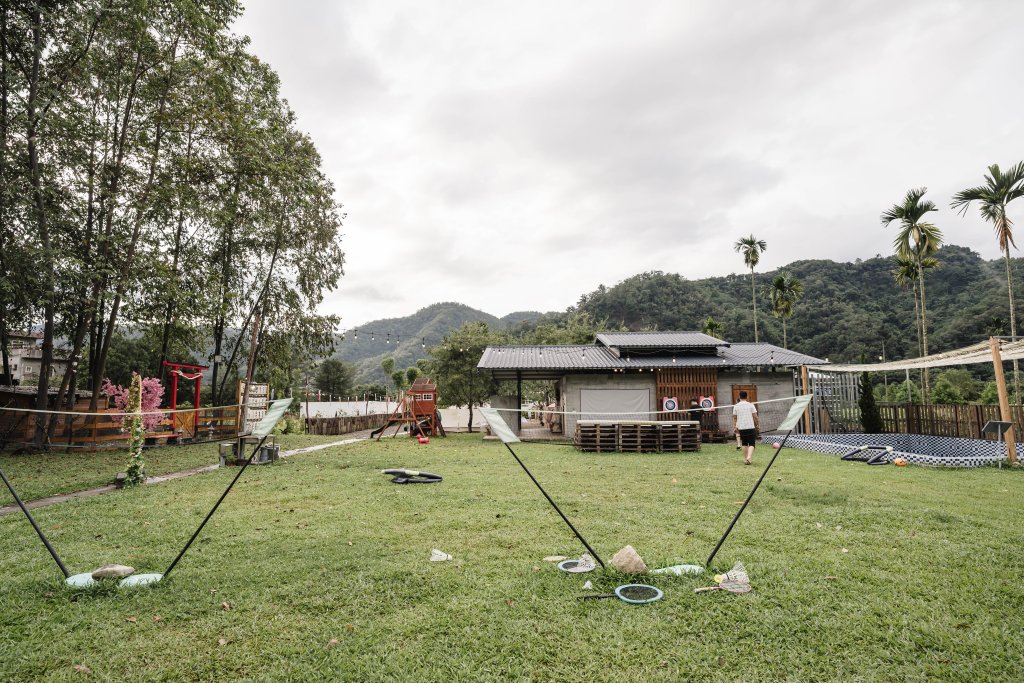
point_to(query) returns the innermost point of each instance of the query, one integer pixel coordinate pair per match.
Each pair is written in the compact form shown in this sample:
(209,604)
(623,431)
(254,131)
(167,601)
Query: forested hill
(404,338)
(847,309)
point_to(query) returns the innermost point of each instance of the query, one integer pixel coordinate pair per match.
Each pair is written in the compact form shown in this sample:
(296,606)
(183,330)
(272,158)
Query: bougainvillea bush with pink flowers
(152,395)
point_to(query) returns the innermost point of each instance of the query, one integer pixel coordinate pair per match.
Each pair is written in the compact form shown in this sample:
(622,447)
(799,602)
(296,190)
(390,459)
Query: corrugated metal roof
(553,361)
(762,353)
(666,340)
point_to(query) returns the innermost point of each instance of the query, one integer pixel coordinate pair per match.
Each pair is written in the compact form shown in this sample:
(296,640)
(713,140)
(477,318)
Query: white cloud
(515,155)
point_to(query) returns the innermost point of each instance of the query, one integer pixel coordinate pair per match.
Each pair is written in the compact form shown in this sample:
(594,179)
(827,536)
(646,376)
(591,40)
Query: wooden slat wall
(687,383)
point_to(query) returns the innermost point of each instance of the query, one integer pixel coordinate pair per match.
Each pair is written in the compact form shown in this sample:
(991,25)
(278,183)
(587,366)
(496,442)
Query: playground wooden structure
(416,410)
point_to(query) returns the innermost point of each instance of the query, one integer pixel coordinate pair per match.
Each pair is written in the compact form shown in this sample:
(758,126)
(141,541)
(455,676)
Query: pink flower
(152,395)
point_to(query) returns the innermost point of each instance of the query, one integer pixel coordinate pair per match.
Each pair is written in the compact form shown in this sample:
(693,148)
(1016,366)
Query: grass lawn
(38,475)
(317,569)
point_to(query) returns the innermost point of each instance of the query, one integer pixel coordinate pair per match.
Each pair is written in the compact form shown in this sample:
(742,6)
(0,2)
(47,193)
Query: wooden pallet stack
(637,437)
(678,438)
(597,437)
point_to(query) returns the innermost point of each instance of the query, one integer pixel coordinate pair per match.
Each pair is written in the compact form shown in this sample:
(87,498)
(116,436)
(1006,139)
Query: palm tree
(783,292)
(999,190)
(712,327)
(751,248)
(905,275)
(916,241)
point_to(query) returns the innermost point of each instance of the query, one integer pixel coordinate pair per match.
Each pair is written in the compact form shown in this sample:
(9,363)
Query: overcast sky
(515,155)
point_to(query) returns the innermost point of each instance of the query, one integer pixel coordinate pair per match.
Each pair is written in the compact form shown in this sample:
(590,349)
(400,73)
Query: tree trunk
(42,225)
(753,300)
(1013,321)
(924,334)
(141,202)
(4,352)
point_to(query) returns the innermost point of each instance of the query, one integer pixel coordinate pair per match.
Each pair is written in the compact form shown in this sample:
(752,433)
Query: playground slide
(389,423)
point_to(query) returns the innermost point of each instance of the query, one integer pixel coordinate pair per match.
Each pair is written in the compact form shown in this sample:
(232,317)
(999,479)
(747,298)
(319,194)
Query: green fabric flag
(498,425)
(796,411)
(275,411)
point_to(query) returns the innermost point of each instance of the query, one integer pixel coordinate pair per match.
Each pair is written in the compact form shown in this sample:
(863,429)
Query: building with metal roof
(638,371)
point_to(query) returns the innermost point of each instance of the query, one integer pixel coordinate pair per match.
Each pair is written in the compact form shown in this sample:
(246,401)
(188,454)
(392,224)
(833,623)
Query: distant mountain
(404,339)
(847,309)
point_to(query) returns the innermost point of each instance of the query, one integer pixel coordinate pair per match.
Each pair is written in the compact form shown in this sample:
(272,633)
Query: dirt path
(100,490)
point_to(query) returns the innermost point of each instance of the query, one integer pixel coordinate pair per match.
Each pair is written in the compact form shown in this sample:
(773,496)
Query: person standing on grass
(746,423)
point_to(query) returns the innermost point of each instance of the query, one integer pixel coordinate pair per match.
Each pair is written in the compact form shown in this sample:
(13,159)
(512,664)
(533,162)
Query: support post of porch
(519,401)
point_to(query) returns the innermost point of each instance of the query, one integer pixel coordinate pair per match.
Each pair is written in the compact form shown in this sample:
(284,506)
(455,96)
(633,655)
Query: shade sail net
(498,426)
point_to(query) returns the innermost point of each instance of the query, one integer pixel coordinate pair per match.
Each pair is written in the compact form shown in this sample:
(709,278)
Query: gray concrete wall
(499,403)
(572,384)
(770,385)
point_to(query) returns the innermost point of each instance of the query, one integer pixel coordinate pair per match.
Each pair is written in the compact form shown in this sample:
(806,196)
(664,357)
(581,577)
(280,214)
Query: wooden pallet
(637,437)
(597,437)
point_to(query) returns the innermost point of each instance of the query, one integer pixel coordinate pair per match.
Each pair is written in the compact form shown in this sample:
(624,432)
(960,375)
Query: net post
(557,509)
(42,536)
(747,501)
(215,506)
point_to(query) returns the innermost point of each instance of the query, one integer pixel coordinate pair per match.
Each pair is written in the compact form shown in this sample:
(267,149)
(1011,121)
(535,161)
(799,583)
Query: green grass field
(38,475)
(317,569)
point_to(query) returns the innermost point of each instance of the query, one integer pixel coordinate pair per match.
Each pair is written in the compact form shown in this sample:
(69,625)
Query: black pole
(216,505)
(583,540)
(35,526)
(744,506)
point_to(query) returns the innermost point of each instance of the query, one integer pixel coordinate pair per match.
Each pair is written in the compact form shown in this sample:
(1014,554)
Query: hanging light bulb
(355,333)
(372,336)
(423,342)
(388,339)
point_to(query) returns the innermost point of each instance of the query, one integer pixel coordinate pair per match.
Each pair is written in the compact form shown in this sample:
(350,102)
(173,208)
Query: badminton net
(556,425)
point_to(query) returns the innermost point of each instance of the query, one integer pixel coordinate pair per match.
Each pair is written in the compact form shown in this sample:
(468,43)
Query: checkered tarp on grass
(937,451)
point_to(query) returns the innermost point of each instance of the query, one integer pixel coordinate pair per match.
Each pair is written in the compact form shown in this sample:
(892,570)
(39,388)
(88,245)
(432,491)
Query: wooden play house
(417,411)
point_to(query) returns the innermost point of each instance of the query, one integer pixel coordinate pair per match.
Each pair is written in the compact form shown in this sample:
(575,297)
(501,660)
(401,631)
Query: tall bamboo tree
(751,248)
(916,241)
(993,197)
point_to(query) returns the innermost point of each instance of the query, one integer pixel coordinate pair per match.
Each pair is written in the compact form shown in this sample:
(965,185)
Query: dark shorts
(748,437)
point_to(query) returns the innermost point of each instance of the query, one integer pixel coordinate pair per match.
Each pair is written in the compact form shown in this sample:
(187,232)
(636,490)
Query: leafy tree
(369,390)
(712,327)
(388,366)
(411,374)
(784,291)
(897,393)
(870,418)
(989,394)
(398,378)
(751,248)
(957,386)
(993,197)
(453,367)
(334,377)
(916,240)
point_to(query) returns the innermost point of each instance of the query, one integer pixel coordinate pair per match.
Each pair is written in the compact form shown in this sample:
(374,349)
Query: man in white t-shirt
(746,423)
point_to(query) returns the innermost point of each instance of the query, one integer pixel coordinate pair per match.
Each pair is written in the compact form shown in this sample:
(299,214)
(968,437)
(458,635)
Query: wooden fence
(336,426)
(964,421)
(17,429)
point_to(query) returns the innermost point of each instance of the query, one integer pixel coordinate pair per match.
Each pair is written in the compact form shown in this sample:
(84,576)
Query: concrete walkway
(100,490)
